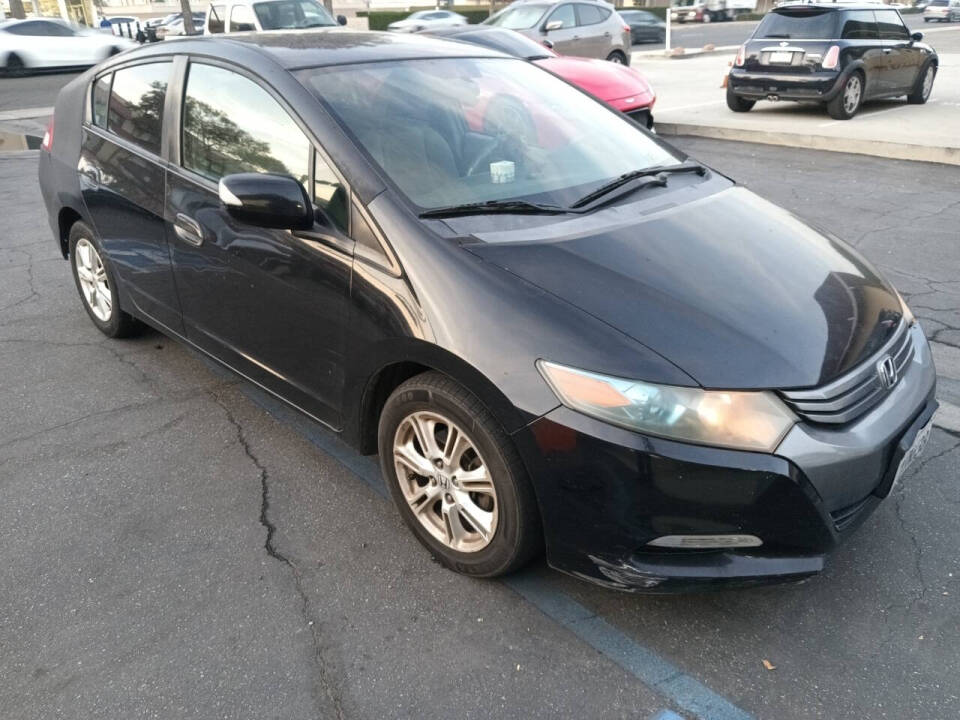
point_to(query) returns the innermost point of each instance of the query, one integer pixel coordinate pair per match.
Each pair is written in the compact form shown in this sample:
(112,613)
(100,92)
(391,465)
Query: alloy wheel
(445,481)
(851,94)
(93,280)
(928,82)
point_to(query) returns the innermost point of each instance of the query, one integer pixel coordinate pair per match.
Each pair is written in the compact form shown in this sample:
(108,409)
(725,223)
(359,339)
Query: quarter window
(233,125)
(135,111)
(329,193)
(101,97)
(564,14)
(241,19)
(891,26)
(859,25)
(215,21)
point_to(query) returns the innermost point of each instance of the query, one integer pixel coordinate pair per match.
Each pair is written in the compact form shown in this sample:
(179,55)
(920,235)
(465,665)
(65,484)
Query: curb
(896,151)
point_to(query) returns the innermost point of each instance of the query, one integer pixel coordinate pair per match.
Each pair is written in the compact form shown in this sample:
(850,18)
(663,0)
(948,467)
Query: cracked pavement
(174,550)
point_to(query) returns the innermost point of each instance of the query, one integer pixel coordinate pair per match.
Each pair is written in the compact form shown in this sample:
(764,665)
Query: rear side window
(215,24)
(798,25)
(231,125)
(241,19)
(859,25)
(592,14)
(101,97)
(891,26)
(135,111)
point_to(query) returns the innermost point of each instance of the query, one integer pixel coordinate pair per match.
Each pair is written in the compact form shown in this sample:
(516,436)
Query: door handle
(887,51)
(188,230)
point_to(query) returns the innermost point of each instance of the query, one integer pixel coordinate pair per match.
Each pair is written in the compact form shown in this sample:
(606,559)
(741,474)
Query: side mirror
(917,37)
(553,25)
(548,44)
(266,200)
(341,20)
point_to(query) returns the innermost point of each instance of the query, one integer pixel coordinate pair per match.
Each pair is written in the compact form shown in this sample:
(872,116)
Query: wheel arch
(372,388)
(66,219)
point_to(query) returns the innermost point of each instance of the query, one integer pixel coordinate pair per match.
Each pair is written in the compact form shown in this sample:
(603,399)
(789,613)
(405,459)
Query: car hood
(605,80)
(735,291)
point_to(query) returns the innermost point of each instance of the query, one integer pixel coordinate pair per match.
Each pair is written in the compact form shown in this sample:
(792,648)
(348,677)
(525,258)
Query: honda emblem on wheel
(887,372)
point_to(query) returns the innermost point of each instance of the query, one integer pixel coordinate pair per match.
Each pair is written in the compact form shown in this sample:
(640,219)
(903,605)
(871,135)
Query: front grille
(850,396)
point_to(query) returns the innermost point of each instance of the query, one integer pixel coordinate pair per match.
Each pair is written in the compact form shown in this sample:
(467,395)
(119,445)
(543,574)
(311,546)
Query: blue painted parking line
(649,668)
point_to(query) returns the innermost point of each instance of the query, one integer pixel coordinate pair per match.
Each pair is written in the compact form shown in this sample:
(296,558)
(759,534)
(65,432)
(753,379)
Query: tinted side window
(58,30)
(891,26)
(101,97)
(564,13)
(859,25)
(590,14)
(329,193)
(136,104)
(241,19)
(216,18)
(29,28)
(231,125)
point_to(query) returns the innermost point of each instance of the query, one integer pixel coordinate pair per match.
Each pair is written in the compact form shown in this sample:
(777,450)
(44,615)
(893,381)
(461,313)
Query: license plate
(916,449)
(784,58)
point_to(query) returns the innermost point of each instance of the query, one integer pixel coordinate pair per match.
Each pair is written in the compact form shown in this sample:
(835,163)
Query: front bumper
(816,86)
(605,492)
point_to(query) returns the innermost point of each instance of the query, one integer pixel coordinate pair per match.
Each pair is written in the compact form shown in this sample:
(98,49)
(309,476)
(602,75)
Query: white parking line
(687,107)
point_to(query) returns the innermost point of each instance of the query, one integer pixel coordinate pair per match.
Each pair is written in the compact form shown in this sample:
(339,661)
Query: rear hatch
(791,41)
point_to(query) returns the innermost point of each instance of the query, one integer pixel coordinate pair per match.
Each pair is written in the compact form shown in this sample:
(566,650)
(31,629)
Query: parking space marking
(649,668)
(688,107)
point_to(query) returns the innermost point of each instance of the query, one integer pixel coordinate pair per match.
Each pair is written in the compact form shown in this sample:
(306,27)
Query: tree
(187,17)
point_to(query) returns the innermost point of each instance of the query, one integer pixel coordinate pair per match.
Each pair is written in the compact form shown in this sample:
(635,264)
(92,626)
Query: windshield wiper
(655,175)
(519,207)
(776,36)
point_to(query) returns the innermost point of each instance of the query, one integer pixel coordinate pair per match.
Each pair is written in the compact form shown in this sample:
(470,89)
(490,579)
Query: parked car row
(557,331)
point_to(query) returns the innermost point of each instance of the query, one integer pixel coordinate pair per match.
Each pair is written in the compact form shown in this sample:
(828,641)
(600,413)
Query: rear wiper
(654,175)
(490,207)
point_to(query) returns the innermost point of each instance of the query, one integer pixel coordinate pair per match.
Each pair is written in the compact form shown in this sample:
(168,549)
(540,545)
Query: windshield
(518,17)
(506,41)
(288,14)
(798,25)
(454,131)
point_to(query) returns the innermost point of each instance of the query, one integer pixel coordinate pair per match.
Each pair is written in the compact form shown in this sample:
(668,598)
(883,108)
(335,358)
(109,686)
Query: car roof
(833,6)
(321,47)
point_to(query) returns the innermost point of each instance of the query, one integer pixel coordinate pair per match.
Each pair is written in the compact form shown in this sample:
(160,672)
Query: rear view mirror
(553,25)
(917,36)
(266,200)
(341,20)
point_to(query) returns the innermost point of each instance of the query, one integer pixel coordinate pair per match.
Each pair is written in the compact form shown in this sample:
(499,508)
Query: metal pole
(667,34)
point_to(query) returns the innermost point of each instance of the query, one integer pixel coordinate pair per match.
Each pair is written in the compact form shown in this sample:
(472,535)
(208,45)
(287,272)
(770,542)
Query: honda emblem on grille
(887,372)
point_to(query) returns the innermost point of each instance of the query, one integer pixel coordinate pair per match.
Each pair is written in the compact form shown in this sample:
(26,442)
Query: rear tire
(92,268)
(617,57)
(737,103)
(14,66)
(436,505)
(847,102)
(924,85)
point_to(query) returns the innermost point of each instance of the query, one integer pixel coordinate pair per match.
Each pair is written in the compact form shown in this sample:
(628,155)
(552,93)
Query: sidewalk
(691,101)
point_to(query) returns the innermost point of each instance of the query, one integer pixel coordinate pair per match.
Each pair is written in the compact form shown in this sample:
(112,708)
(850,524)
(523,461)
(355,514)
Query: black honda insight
(557,331)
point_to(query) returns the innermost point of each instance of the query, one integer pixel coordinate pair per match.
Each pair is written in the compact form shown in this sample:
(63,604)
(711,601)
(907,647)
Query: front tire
(847,102)
(737,103)
(456,478)
(14,67)
(924,85)
(97,283)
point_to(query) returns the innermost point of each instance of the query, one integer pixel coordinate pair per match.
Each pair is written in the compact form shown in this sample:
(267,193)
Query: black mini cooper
(836,55)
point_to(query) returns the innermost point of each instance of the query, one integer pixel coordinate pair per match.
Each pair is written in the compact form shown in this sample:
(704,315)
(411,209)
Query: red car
(620,86)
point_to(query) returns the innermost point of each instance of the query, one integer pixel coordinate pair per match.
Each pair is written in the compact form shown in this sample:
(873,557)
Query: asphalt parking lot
(179,545)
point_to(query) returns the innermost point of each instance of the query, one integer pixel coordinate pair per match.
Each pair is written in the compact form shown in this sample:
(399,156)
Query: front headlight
(732,419)
(908,317)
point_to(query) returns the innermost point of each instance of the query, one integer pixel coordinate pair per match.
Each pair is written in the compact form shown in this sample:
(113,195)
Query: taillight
(741,56)
(626,28)
(47,143)
(832,57)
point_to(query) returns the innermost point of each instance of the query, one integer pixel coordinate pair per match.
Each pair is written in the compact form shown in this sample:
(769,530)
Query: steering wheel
(486,154)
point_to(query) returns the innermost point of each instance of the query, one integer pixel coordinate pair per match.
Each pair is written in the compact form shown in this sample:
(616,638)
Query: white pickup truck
(709,10)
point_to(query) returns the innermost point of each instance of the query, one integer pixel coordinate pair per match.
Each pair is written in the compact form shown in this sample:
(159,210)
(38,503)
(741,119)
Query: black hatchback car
(837,55)
(573,336)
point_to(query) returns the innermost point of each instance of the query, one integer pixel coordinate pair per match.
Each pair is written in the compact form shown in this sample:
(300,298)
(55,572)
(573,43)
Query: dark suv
(836,55)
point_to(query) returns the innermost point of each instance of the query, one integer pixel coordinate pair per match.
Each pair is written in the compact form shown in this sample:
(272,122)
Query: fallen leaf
(769,665)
